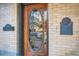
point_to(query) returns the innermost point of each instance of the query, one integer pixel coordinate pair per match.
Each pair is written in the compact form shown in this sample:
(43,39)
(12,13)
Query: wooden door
(35,30)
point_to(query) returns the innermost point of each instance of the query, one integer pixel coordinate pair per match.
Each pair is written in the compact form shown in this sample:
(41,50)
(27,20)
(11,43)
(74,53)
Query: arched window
(66,26)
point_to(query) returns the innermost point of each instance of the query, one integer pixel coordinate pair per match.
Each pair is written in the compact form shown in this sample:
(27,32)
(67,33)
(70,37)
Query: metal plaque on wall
(66,26)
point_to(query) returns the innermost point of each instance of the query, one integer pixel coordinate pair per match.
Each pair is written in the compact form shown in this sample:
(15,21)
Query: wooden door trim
(26,4)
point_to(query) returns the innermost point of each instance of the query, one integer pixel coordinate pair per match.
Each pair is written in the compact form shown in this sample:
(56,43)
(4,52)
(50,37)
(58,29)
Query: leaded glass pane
(35,30)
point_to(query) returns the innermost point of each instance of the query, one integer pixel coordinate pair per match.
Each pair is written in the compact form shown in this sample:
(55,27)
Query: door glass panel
(38,31)
(35,30)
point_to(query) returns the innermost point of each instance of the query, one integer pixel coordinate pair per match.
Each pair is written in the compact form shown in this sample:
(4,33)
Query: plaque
(8,27)
(66,26)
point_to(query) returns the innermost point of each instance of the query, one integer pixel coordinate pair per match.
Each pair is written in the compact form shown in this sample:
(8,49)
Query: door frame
(21,28)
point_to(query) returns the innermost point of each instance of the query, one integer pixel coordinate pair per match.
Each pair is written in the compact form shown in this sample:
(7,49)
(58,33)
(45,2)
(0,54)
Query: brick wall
(63,44)
(8,39)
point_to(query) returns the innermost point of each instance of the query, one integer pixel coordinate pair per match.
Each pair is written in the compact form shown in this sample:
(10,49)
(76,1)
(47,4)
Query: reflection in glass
(38,30)
(35,30)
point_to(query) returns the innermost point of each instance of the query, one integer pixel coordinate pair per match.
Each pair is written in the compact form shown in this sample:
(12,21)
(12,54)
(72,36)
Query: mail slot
(66,26)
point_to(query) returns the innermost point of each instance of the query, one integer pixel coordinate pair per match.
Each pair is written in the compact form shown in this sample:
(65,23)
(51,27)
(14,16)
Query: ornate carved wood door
(35,30)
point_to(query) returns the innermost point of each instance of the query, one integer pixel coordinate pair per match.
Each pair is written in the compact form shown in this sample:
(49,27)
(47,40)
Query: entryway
(35,30)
